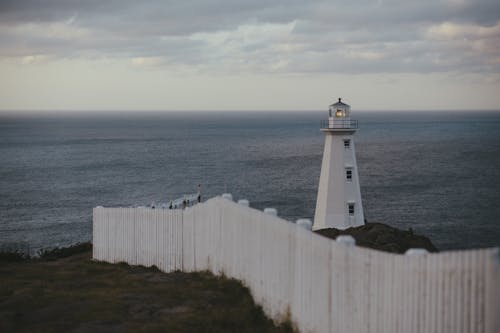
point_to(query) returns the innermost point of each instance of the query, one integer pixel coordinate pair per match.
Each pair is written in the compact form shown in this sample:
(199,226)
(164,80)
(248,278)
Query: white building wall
(334,191)
(321,285)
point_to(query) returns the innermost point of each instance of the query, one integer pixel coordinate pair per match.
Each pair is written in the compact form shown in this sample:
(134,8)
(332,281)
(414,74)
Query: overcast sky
(249,55)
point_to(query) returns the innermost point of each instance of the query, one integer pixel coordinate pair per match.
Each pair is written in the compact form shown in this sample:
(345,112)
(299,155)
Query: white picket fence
(320,284)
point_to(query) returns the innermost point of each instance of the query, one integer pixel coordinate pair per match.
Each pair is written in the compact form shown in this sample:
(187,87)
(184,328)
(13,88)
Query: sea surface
(435,172)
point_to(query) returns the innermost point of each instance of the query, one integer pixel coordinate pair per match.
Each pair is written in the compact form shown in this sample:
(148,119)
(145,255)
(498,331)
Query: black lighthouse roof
(339,103)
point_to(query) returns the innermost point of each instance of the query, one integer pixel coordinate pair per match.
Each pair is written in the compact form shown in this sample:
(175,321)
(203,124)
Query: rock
(382,237)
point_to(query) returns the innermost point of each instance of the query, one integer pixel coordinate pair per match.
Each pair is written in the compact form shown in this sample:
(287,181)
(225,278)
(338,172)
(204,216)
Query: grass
(64,290)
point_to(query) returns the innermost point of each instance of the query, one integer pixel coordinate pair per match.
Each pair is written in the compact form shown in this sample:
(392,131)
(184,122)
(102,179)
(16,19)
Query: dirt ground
(75,294)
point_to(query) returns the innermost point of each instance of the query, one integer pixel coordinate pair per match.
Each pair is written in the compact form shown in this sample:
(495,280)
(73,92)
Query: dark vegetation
(17,255)
(13,256)
(64,252)
(382,237)
(63,290)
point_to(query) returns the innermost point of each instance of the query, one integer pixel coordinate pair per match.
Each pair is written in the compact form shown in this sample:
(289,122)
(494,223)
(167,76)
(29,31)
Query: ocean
(435,172)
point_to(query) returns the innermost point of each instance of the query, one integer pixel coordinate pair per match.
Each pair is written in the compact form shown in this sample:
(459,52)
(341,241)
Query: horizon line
(95,111)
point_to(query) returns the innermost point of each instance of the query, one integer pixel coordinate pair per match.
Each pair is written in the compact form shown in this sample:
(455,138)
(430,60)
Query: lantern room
(339,110)
(339,118)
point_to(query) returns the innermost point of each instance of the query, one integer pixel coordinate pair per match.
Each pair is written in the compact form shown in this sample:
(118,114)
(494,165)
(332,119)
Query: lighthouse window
(350,208)
(347,144)
(348,174)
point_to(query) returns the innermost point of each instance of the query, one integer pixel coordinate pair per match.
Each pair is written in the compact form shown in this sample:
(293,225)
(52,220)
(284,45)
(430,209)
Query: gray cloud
(263,36)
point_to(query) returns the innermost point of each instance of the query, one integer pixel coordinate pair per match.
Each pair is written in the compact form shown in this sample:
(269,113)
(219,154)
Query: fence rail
(321,285)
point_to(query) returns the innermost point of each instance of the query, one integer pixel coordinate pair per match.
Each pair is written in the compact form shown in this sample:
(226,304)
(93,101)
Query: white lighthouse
(339,198)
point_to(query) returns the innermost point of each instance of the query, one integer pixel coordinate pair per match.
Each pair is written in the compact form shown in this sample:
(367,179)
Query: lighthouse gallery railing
(339,124)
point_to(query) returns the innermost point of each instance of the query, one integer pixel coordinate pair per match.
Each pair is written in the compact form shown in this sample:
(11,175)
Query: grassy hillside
(66,291)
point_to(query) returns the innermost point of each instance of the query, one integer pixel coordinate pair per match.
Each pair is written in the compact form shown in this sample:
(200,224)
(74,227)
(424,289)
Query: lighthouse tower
(339,198)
